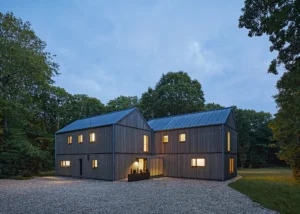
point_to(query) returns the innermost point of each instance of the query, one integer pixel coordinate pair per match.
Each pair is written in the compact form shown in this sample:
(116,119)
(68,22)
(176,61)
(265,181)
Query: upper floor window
(198,162)
(92,137)
(182,138)
(95,164)
(80,138)
(65,163)
(69,139)
(228,141)
(231,165)
(165,139)
(146,143)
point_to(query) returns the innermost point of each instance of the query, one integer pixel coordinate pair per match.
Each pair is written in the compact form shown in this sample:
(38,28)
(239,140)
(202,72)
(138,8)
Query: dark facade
(124,142)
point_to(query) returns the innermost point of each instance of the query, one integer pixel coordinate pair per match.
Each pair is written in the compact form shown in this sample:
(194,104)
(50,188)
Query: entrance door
(80,167)
(142,164)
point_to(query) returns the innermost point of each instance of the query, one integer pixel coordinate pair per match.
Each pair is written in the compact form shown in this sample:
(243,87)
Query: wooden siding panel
(103,171)
(103,142)
(131,140)
(227,174)
(230,121)
(198,140)
(135,119)
(233,140)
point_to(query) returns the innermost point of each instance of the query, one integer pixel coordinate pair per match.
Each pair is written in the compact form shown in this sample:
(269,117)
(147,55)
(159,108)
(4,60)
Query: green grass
(275,188)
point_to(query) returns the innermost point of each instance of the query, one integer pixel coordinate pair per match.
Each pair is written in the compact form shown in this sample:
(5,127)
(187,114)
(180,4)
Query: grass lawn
(273,188)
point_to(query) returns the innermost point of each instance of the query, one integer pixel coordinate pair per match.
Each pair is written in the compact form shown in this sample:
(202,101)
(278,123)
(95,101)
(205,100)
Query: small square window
(69,139)
(95,164)
(92,137)
(198,162)
(80,138)
(165,139)
(182,138)
(65,163)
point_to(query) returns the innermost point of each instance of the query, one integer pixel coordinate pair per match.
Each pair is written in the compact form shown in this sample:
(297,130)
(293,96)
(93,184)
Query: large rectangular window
(80,138)
(228,141)
(231,165)
(95,164)
(146,143)
(92,137)
(198,162)
(182,138)
(165,139)
(69,139)
(65,163)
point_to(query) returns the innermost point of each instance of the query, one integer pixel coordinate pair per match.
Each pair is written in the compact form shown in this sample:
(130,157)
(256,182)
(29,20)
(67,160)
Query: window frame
(163,140)
(80,137)
(196,162)
(63,163)
(70,139)
(231,165)
(145,143)
(179,136)
(92,134)
(228,141)
(95,164)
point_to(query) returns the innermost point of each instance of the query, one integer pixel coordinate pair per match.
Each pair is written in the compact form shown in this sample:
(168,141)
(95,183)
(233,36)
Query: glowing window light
(146,143)
(69,139)
(198,162)
(65,163)
(80,138)
(231,165)
(182,138)
(228,141)
(95,164)
(92,137)
(165,139)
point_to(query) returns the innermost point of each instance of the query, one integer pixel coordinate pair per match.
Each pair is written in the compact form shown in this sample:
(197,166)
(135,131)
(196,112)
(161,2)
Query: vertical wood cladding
(131,140)
(103,143)
(227,173)
(135,119)
(103,171)
(198,140)
(156,166)
(230,121)
(233,140)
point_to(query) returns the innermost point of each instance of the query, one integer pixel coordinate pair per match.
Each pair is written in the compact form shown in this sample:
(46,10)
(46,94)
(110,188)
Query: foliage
(274,188)
(121,103)
(280,20)
(175,93)
(213,106)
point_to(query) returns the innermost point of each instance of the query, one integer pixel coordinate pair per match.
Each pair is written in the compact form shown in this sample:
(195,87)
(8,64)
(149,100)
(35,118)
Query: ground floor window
(95,164)
(231,165)
(198,162)
(65,163)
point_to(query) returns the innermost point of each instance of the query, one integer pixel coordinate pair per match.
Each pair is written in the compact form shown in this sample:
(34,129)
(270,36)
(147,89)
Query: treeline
(32,109)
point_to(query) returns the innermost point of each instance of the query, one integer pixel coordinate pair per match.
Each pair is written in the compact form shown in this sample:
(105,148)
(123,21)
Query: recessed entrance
(80,167)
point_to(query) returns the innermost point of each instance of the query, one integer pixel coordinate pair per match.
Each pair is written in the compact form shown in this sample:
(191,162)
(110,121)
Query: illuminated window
(95,164)
(69,139)
(198,162)
(165,139)
(182,138)
(228,141)
(231,165)
(65,163)
(145,143)
(80,138)
(92,137)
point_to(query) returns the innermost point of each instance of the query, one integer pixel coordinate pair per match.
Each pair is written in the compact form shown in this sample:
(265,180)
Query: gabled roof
(96,121)
(205,118)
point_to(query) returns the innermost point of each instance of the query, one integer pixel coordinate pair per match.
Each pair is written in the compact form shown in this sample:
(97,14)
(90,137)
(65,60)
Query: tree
(213,106)
(175,93)
(121,103)
(280,20)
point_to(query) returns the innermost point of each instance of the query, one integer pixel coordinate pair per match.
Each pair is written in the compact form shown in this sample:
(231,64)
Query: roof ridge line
(188,113)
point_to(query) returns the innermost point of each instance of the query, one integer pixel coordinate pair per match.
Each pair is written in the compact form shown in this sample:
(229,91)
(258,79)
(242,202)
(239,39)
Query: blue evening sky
(111,48)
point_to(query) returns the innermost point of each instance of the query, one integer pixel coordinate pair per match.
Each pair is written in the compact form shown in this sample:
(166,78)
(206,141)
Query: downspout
(223,155)
(113,153)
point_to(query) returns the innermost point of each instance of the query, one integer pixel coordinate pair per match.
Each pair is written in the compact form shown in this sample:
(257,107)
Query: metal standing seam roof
(96,121)
(204,118)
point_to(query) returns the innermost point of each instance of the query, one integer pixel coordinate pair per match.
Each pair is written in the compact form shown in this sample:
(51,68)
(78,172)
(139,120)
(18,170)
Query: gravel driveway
(160,195)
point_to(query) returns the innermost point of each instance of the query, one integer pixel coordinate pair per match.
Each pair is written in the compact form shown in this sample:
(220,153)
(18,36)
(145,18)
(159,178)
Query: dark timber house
(198,145)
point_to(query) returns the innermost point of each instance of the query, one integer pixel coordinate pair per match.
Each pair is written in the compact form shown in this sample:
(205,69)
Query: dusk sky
(110,48)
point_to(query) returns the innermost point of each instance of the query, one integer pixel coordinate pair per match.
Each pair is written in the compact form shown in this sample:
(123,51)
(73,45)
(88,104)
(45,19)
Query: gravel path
(160,195)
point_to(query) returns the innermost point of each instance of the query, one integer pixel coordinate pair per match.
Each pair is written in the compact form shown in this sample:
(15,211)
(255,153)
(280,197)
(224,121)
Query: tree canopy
(280,20)
(121,103)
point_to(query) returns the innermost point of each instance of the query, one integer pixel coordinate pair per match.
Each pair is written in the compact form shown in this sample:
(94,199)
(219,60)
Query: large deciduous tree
(280,20)
(175,93)
(121,103)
